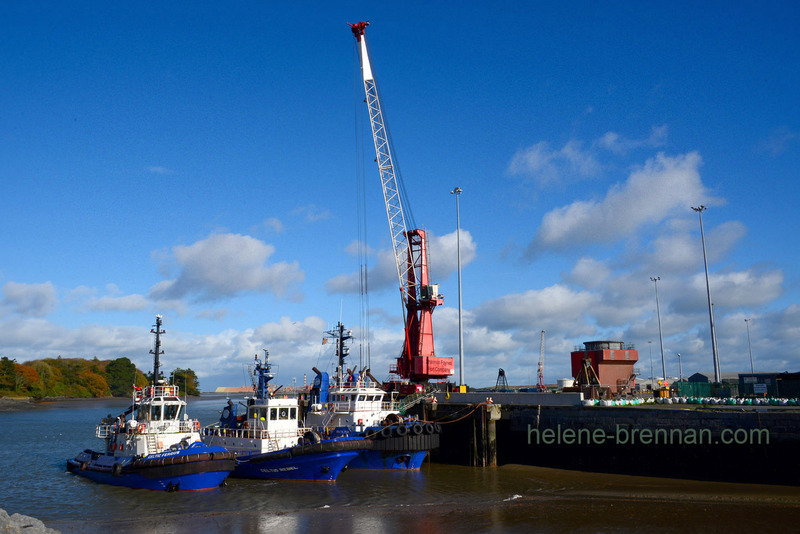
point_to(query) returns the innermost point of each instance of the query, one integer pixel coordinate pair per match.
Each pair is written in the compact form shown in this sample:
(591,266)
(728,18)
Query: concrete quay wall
(758,444)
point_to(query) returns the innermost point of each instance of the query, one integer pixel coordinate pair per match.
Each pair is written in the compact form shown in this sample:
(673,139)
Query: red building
(612,362)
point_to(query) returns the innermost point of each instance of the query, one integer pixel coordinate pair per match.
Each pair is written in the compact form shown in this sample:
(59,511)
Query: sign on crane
(418,362)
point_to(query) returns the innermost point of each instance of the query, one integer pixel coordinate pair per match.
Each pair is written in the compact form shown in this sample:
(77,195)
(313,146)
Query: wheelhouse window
(155,413)
(145,412)
(172,412)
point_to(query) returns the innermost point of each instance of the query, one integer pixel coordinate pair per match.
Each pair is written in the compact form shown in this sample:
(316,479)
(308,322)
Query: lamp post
(680,368)
(457,193)
(660,335)
(749,346)
(652,376)
(717,374)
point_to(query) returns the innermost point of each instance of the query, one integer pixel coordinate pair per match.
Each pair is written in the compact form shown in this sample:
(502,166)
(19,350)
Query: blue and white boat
(158,447)
(269,442)
(354,405)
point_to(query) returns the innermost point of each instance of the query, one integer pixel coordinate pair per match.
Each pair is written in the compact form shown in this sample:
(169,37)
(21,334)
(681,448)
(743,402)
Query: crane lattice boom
(540,384)
(391,192)
(417,361)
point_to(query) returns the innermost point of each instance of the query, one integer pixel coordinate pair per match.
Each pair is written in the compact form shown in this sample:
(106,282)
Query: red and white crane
(418,362)
(540,384)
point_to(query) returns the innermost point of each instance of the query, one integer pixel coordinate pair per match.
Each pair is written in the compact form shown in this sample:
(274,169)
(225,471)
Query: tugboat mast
(264,374)
(341,336)
(157,351)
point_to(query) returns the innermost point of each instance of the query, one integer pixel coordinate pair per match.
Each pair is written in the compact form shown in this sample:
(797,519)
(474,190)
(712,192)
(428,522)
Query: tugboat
(159,447)
(355,406)
(268,441)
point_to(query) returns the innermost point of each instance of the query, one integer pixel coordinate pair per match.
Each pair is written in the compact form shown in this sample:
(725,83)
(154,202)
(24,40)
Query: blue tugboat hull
(313,461)
(388,460)
(195,468)
(394,447)
(322,467)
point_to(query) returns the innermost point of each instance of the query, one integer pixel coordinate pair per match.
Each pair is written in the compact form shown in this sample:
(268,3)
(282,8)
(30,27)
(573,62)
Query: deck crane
(540,384)
(418,362)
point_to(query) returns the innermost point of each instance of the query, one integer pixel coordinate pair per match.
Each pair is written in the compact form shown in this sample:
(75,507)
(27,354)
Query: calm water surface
(35,444)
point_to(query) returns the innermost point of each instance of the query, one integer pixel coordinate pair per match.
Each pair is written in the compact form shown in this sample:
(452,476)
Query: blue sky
(202,162)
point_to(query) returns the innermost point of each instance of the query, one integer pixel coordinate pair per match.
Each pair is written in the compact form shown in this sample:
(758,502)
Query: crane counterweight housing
(418,362)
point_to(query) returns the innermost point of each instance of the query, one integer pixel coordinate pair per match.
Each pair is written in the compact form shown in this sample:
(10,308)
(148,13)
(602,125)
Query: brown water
(34,445)
(451,499)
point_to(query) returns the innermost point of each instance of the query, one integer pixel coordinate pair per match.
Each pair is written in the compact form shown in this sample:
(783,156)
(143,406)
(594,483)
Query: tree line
(77,377)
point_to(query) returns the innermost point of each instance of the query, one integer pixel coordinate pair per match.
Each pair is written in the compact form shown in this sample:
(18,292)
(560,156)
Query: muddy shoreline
(15,404)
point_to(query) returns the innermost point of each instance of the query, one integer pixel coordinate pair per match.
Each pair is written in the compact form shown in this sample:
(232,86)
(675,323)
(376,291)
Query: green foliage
(94,383)
(141,379)
(7,374)
(187,380)
(121,374)
(69,377)
(25,379)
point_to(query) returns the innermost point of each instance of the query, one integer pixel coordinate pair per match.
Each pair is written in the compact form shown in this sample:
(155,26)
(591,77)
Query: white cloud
(779,141)
(225,265)
(589,272)
(749,288)
(213,314)
(381,275)
(536,308)
(546,165)
(312,213)
(124,303)
(665,184)
(443,253)
(721,239)
(574,160)
(30,339)
(676,253)
(272,224)
(34,300)
(442,256)
(619,145)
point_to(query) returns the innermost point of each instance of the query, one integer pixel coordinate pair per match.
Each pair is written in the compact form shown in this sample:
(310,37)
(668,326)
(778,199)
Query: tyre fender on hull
(311,437)
(116,470)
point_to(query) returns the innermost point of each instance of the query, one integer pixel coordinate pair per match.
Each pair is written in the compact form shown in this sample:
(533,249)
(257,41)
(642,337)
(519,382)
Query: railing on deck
(191,425)
(362,406)
(252,433)
(156,391)
(415,399)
